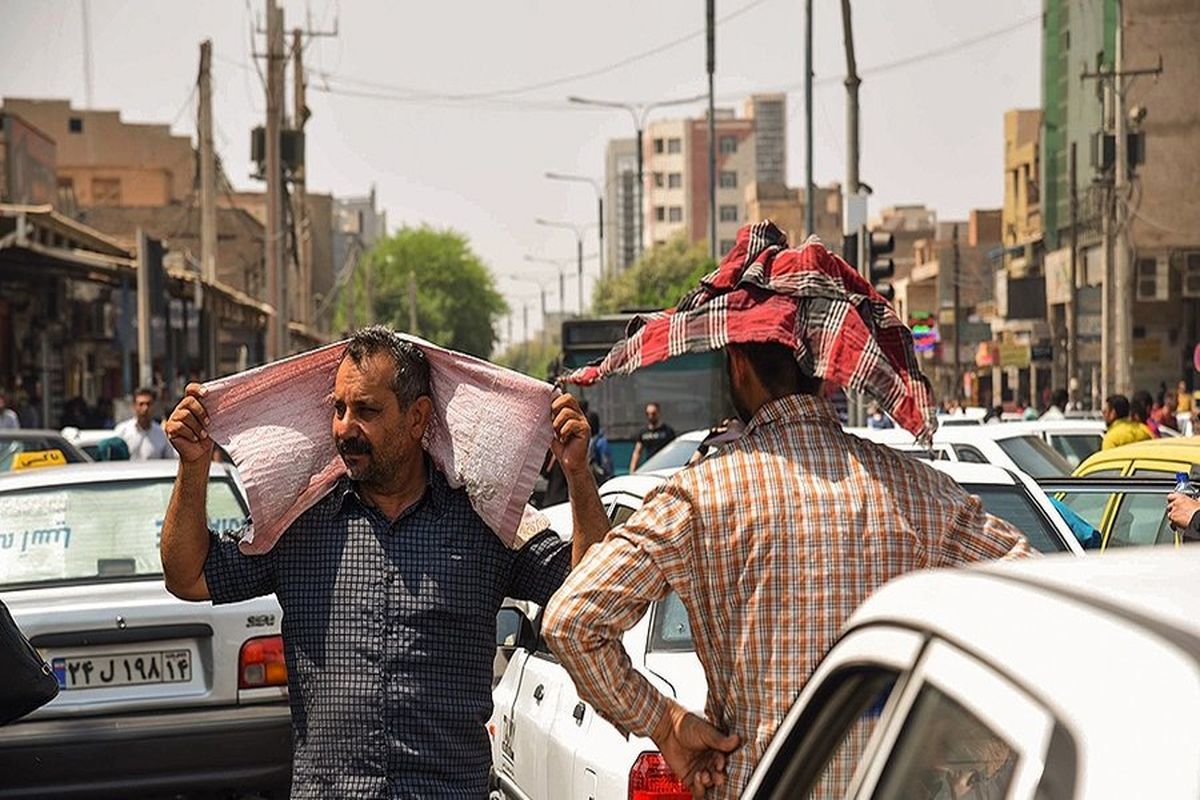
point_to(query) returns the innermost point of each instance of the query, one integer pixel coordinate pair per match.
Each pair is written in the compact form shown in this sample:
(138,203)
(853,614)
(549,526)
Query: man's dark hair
(1141,405)
(145,391)
(1060,398)
(411,377)
(777,368)
(593,422)
(1119,403)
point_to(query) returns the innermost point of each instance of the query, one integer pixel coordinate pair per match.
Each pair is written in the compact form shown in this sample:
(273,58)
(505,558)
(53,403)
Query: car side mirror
(514,630)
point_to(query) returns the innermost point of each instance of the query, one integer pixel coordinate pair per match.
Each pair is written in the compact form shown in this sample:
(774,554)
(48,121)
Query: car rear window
(9,448)
(674,454)
(1014,505)
(1075,448)
(91,532)
(1034,457)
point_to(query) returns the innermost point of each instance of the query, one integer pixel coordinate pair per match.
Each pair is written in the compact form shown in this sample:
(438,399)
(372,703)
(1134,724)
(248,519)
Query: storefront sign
(1014,355)
(1042,352)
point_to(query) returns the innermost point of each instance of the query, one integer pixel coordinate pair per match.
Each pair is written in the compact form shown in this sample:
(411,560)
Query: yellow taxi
(1125,494)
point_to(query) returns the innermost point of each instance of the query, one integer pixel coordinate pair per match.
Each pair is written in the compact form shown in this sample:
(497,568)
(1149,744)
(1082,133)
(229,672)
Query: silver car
(157,695)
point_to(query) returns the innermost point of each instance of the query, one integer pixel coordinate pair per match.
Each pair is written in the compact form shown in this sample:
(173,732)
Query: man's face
(1110,416)
(374,436)
(143,404)
(652,415)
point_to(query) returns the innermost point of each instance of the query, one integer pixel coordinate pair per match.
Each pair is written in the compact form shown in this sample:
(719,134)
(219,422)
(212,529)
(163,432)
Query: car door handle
(580,709)
(539,693)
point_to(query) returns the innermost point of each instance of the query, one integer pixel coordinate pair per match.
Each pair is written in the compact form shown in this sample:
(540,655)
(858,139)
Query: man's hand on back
(694,749)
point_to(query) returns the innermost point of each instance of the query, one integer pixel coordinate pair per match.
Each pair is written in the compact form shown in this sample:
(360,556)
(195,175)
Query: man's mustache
(353,447)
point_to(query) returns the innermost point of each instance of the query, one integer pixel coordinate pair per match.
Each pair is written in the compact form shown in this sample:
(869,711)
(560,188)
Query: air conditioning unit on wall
(1153,278)
(1190,266)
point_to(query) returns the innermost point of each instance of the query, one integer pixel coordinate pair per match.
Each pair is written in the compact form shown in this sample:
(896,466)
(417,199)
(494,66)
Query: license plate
(125,669)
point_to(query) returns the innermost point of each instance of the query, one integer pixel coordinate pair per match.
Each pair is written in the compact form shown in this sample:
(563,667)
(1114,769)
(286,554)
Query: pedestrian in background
(142,433)
(1122,429)
(599,451)
(1058,405)
(654,437)
(1141,409)
(8,417)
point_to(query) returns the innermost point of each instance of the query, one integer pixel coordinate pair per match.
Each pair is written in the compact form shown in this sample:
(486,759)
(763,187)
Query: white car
(547,744)
(157,695)
(1010,445)
(87,439)
(1051,678)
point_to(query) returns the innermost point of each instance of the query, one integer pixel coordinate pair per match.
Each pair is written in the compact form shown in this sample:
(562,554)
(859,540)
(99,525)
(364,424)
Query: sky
(455,110)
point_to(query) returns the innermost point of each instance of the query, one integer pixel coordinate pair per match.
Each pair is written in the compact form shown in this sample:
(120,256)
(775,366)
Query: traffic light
(876,263)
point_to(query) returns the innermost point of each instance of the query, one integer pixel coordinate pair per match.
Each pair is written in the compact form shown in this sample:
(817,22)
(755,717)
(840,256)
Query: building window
(675,180)
(727,245)
(106,191)
(75,124)
(729,214)
(728,179)
(660,213)
(675,145)
(658,180)
(658,145)
(676,214)
(728,144)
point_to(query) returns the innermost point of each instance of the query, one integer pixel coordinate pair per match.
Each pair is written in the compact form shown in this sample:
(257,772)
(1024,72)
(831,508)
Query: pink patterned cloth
(490,431)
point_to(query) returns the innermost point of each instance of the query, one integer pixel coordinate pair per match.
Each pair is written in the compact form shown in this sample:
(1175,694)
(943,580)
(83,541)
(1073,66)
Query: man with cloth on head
(774,541)
(390,580)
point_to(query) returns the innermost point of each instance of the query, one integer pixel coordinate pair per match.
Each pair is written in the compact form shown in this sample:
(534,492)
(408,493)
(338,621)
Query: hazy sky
(458,139)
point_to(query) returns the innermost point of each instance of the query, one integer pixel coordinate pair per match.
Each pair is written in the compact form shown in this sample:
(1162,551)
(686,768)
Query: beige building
(1022,221)
(104,161)
(785,206)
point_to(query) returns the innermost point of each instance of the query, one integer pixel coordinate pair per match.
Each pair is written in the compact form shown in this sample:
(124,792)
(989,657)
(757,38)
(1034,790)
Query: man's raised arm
(185,536)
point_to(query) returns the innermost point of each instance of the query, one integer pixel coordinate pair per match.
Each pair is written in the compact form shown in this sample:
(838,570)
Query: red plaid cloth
(807,299)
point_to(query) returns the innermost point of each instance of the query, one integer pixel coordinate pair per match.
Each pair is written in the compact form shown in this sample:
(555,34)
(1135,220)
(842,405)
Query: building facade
(620,205)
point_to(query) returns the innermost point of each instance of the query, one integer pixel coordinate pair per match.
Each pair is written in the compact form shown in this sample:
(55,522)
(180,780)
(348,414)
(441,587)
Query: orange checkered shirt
(771,544)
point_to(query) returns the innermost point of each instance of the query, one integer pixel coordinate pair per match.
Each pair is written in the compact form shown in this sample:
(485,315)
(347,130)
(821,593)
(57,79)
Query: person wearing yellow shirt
(1121,428)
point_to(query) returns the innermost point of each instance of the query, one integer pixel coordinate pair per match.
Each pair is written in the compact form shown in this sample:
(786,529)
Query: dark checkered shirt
(389,634)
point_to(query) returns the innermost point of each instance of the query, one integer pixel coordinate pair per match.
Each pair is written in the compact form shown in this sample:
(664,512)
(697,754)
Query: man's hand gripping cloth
(808,300)
(489,432)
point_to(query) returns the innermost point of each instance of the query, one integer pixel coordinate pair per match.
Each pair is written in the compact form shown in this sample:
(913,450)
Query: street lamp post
(542,291)
(639,112)
(595,184)
(578,231)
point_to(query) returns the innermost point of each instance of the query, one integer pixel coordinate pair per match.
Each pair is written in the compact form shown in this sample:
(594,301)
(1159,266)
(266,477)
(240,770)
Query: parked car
(157,695)
(26,448)
(675,453)
(1010,445)
(87,439)
(1124,511)
(547,743)
(1156,458)
(998,681)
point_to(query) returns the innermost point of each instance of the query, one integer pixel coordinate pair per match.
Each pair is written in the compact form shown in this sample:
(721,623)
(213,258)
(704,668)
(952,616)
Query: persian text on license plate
(125,669)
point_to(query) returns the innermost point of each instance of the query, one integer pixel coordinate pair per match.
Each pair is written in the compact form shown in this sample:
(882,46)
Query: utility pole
(852,84)
(957,314)
(809,189)
(277,338)
(1073,281)
(145,358)
(299,190)
(854,207)
(208,210)
(712,133)
(579,261)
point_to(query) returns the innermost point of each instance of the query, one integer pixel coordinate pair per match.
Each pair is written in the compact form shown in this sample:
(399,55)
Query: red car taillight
(261,663)
(652,779)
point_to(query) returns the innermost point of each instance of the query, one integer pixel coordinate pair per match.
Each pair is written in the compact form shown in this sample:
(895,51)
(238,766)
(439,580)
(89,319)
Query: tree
(657,280)
(534,358)
(457,304)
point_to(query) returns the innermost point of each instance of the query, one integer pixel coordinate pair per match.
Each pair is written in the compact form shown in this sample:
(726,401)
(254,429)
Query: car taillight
(261,663)
(652,779)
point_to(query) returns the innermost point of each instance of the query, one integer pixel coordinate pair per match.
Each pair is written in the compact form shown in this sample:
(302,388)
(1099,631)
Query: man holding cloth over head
(390,580)
(774,541)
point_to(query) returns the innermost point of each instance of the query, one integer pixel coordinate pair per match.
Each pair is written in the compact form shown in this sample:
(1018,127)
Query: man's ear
(420,411)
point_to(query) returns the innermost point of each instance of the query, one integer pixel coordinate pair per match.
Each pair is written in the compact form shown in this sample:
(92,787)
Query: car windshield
(1034,457)
(1076,447)
(674,454)
(10,448)
(91,532)
(1014,505)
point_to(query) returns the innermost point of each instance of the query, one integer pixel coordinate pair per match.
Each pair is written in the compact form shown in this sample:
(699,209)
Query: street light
(639,112)
(578,231)
(595,184)
(542,289)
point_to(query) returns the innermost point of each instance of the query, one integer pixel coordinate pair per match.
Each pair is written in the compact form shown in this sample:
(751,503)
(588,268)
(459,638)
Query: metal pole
(208,210)
(641,189)
(809,190)
(145,358)
(579,256)
(957,316)
(600,207)
(277,346)
(300,190)
(562,291)
(711,66)
(1122,271)
(412,303)
(1072,292)
(852,84)
(545,332)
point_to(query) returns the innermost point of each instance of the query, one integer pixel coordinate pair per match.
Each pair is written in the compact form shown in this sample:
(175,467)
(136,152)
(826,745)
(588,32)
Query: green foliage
(657,280)
(457,302)
(534,358)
